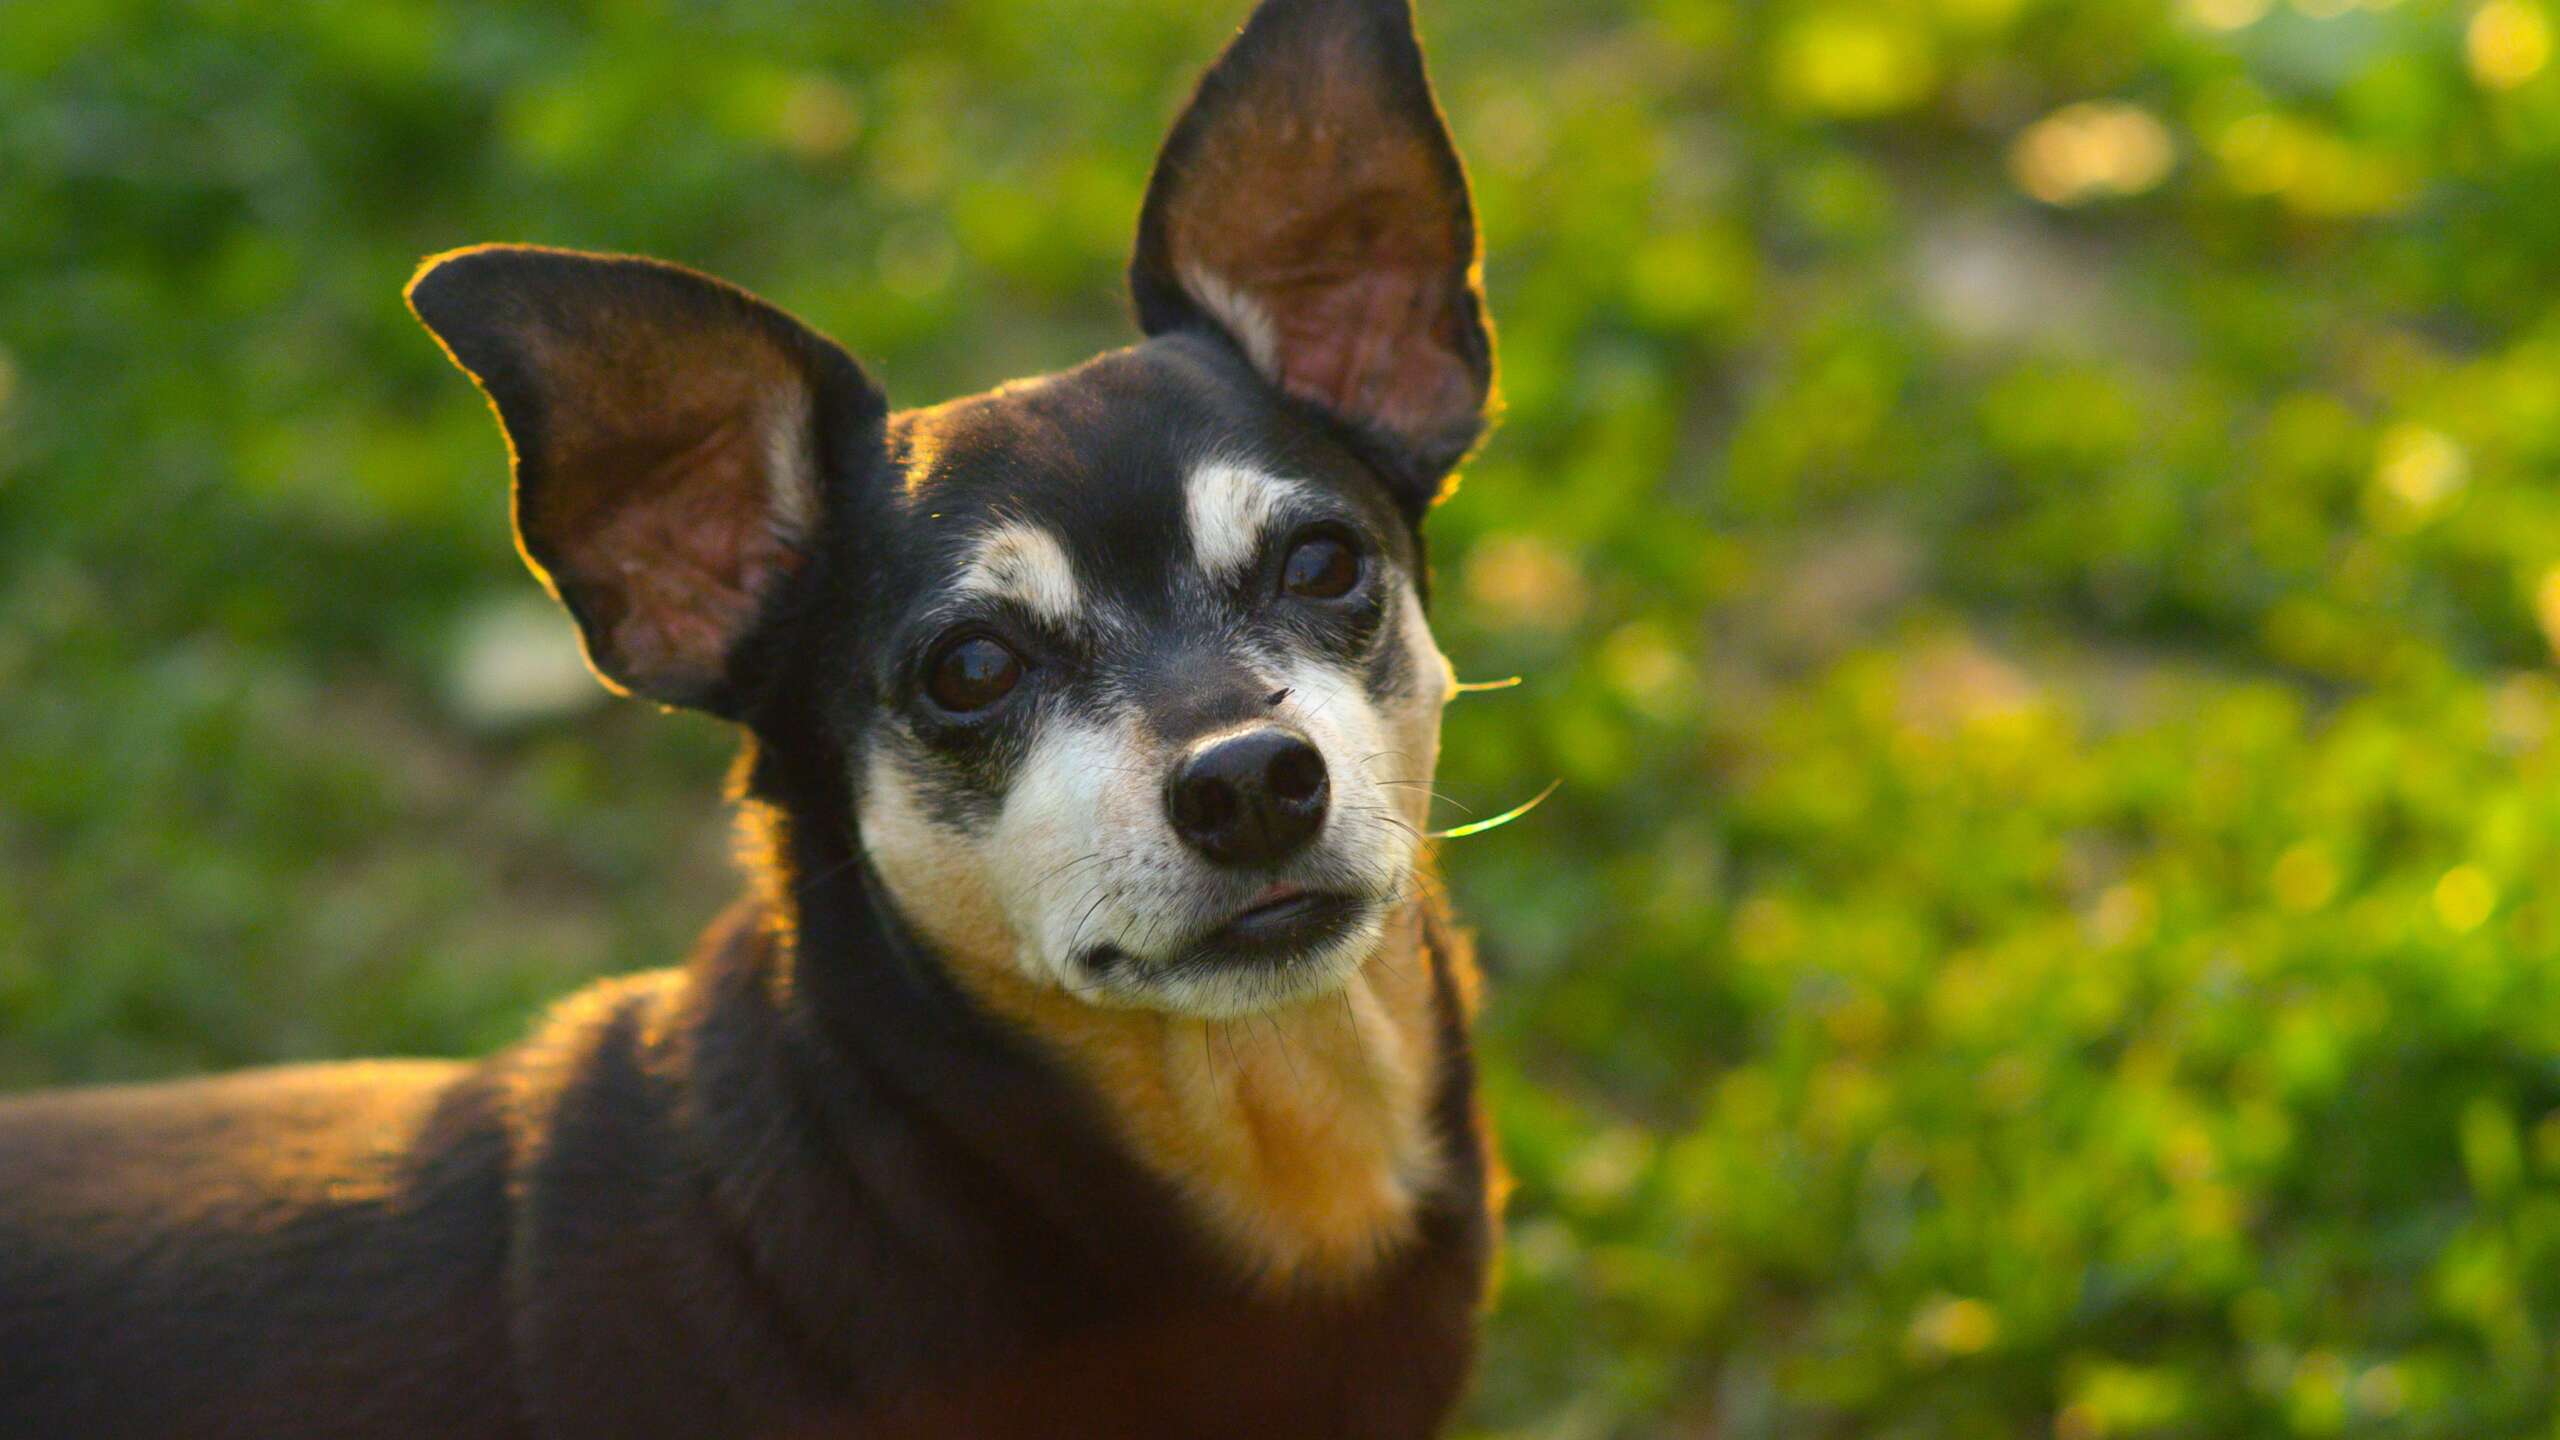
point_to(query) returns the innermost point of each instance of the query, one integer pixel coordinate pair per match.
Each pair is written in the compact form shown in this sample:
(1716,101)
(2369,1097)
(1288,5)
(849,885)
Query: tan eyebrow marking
(1025,564)
(1228,504)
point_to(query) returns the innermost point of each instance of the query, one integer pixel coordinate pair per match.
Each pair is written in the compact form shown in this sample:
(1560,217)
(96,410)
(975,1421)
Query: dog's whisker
(1075,943)
(1088,858)
(1506,817)
(1280,1042)
(1428,790)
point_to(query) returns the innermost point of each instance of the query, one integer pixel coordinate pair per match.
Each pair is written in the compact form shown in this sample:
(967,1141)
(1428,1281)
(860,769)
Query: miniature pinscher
(1089,1057)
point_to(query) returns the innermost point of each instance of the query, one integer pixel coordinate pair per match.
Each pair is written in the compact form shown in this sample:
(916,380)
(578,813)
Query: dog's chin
(1290,948)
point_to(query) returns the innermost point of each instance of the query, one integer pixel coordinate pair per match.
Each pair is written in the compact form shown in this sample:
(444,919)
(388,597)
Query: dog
(1089,1056)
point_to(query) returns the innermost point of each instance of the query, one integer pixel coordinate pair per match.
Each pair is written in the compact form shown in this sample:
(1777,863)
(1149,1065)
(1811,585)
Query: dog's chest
(1388,1365)
(1300,1143)
(853,1265)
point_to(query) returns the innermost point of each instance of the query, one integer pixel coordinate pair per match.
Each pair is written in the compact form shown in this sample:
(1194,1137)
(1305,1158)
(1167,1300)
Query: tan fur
(921,860)
(1300,1135)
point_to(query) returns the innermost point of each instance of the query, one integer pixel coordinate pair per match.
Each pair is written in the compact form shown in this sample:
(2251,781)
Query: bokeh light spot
(2464,899)
(819,119)
(2416,471)
(1953,1325)
(2312,170)
(1854,63)
(2091,150)
(2508,43)
(2227,14)
(2305,878)
(2546,608)
(1525,581)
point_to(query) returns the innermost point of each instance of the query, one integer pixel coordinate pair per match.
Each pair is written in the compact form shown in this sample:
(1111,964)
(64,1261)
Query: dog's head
(1127,665)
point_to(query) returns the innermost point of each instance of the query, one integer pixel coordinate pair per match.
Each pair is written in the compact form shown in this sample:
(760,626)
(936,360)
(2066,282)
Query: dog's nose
(1249,798)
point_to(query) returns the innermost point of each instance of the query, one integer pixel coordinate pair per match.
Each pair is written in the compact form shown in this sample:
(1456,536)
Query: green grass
(2049,925)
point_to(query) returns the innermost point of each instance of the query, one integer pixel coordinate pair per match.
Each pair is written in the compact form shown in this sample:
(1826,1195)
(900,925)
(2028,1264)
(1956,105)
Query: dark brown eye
(1321,567)
(973,674)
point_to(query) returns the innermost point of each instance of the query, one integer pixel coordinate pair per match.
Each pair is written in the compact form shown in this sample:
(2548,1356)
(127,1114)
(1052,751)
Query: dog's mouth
(1283,923)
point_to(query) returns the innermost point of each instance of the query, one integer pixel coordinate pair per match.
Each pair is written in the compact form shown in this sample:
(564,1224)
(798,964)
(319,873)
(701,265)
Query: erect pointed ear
(1310,206)
(672,437)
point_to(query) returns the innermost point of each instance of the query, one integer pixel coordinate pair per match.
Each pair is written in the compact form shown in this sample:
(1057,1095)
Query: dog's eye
(1323,566)
(973,674)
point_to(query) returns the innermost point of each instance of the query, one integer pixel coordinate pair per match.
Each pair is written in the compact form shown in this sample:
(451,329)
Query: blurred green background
(2028,526)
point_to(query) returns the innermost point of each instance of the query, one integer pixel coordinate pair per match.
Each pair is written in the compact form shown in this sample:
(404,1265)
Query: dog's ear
(672,437)
(1309,206)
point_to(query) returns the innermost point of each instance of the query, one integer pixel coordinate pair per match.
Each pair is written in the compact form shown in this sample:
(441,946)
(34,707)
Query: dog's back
(309,1250)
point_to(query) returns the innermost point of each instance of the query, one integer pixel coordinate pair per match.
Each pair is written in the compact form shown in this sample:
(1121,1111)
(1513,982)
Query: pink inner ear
(1327,233)
(668,525)
(1371,345)
(695,567)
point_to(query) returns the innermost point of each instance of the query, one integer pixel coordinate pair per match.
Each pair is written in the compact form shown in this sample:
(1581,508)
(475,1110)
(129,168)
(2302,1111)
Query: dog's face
(1127,666)
(1157,704)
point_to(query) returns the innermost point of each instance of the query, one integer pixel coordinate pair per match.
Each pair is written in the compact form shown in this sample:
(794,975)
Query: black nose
(1250,798)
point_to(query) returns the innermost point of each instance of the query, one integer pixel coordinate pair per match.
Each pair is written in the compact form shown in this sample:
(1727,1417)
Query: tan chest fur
(1302,1136)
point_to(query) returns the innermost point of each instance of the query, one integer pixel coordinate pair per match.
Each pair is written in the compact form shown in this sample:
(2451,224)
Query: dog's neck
(1300,1137)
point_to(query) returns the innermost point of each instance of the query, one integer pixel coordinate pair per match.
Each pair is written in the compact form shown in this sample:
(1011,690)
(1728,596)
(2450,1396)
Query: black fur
(804,1186)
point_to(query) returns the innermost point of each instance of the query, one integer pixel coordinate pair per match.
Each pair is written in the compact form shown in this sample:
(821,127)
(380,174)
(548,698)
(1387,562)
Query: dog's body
(685,1208)
(1092,1058)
